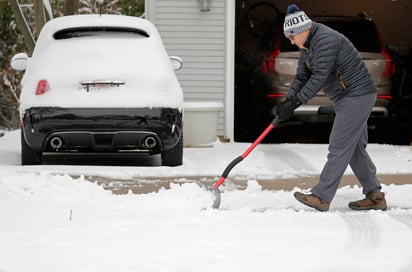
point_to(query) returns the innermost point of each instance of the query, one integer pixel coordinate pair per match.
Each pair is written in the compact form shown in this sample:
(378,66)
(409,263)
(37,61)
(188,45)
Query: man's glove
(286,107)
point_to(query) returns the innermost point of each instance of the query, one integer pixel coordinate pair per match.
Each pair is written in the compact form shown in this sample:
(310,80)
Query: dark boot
(312,201)
(373,201)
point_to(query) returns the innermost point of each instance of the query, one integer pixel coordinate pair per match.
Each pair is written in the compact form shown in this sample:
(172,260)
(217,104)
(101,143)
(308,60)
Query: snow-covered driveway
(53,219)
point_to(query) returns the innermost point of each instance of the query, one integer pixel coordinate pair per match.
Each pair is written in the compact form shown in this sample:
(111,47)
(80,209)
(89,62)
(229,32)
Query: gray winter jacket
(331,63)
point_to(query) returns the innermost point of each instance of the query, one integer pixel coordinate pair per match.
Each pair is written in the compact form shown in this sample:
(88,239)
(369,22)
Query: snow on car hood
(140,62)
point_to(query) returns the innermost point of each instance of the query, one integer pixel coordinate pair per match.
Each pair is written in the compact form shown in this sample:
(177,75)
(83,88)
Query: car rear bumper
(321,110)
(153,130)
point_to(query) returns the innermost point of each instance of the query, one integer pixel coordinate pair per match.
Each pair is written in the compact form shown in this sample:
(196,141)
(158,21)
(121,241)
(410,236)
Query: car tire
(173,156)
(29,156)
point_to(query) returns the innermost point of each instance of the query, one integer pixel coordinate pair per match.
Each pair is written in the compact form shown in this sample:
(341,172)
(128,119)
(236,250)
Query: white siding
(199,39)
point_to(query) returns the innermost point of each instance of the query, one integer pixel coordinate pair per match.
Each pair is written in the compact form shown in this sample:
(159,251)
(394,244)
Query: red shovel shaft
(272,125)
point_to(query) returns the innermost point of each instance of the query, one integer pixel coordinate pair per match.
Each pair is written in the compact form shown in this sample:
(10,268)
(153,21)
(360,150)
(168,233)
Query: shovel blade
(215,192)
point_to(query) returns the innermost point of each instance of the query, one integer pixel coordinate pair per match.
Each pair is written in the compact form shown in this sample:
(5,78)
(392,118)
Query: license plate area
(97,85)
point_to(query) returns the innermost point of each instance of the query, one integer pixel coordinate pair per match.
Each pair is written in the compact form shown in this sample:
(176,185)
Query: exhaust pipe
(150,142)
(56,142)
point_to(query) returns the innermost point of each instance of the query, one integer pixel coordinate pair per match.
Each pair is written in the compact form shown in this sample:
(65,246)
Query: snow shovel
(215,187)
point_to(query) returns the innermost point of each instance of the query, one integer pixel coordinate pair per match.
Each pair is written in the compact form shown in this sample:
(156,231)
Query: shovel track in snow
(364,232)
(288,158)
(405,219)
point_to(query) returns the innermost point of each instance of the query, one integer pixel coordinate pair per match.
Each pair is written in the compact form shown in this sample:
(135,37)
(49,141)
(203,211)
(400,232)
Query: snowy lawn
(50,221)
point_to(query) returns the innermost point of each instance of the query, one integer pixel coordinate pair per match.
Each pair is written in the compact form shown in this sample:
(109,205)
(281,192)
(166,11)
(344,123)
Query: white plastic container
(200,123)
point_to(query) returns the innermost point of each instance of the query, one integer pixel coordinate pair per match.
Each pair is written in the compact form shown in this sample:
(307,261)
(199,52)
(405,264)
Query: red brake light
(42,87)
(275,95)
(384,97)
(269,62)
(390,67)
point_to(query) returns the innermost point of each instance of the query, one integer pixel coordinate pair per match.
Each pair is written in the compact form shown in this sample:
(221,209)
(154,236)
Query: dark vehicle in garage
(279,68)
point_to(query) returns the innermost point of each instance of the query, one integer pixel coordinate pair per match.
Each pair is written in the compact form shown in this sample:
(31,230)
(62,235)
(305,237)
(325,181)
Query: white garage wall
(199,38)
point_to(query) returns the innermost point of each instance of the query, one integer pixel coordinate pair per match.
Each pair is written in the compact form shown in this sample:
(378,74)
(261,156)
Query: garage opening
(256,25)
(258,30)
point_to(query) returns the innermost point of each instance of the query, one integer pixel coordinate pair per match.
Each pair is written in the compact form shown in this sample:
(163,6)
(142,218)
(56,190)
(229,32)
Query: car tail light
(275,95)
(269,65)
(384,96)
(390,67)
(42,87)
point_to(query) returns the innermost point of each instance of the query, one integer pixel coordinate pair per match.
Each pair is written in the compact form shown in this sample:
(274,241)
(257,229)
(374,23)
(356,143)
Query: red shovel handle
(228,168)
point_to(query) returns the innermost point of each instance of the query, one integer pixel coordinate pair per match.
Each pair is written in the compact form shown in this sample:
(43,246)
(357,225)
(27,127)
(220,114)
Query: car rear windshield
(361,33)
(98,31)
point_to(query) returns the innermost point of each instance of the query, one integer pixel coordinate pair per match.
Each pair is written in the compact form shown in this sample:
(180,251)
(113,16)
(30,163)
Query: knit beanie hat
(296,21)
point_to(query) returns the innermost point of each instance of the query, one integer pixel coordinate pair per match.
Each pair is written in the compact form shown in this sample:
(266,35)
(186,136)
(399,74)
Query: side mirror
(177,62)
(19,61)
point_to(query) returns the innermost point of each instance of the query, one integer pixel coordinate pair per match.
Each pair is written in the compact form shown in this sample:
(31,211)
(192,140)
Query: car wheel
(29,156)
(174,156)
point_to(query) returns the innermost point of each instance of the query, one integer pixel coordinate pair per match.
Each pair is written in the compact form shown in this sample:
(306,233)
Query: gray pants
(347,146)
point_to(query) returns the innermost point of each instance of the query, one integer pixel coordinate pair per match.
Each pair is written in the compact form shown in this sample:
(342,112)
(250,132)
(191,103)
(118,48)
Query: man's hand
(286,107)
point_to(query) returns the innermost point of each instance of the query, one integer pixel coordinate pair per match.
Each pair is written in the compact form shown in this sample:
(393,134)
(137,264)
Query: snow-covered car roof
(84,48)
